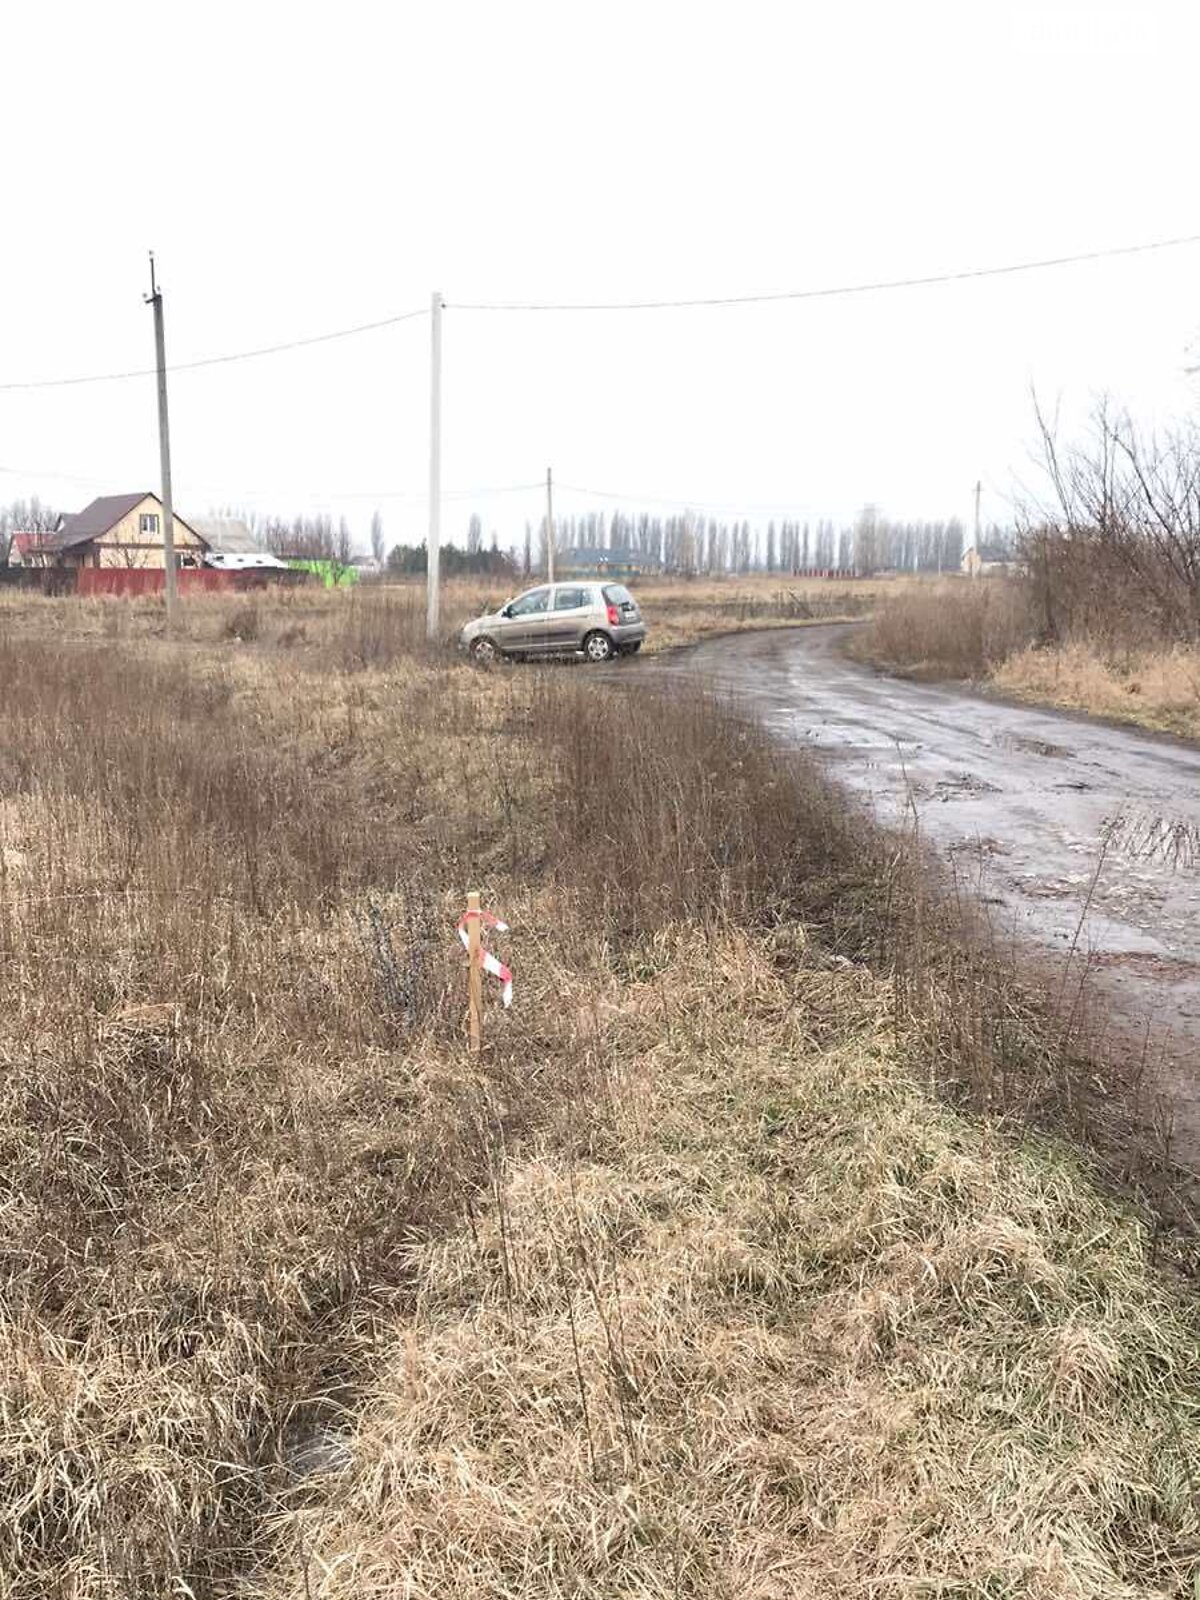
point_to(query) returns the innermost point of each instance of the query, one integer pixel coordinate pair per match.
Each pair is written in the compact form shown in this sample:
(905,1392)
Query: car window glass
(617,594)
(570,599)
(530,604)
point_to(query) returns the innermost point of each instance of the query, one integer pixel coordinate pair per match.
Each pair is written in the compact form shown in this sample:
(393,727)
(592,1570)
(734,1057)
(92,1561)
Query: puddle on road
(1029,745)
(960,785)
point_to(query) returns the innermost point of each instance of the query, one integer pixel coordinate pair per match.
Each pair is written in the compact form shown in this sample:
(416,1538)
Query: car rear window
(617,594)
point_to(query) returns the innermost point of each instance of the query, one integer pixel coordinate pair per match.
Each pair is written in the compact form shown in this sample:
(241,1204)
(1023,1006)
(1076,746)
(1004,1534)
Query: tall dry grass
(232,1094)
(765,1322)
(236,1118)
(993,630)
(382,621)
(1155,688)
(957,628)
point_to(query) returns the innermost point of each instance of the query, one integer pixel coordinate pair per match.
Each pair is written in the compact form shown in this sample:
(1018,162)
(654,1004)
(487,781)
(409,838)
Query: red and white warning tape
(491,964)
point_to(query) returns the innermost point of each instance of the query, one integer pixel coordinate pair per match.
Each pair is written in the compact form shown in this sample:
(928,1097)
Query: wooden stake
(474,974)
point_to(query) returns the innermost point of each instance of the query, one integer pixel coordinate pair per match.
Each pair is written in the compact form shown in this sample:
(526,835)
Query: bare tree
(377,544)
(1116,549)
(25,516)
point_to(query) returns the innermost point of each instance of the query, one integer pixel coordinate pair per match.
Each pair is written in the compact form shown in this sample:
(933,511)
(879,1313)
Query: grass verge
(1157,689)
(987,631)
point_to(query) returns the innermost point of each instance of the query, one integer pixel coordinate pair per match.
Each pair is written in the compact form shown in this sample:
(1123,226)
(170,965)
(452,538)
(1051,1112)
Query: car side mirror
(506,609)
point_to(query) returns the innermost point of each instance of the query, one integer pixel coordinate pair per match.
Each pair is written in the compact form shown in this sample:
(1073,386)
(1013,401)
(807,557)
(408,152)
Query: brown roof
(98,518)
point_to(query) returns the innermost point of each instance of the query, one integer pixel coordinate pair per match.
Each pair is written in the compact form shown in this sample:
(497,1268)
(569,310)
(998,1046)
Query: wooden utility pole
(433,545)
(154,298)
(549,526)
(474,974)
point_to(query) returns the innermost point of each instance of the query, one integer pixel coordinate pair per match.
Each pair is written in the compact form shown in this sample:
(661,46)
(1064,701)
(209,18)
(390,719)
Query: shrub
(960,628)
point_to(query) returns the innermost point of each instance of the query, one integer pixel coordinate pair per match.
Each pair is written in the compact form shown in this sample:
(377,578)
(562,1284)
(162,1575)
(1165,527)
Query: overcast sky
(299,169)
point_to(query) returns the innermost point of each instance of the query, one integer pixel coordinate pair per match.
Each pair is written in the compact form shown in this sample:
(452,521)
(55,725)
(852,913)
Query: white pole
(164,448)
(549,527)
(433,547)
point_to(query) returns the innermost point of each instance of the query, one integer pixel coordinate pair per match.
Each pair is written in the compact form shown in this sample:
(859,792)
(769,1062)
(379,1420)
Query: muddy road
(1039,811)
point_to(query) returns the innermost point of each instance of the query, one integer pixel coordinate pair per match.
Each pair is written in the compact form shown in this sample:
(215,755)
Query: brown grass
(986,630)
(1154,688)
(679,611)
(764,1323)
(245,1162)
(957,628)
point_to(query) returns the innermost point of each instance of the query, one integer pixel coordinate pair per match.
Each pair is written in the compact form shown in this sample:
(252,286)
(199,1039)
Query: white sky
(304,168)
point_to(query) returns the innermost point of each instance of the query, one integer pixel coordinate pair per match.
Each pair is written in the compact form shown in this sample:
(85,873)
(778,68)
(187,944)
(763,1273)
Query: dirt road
(1024,799)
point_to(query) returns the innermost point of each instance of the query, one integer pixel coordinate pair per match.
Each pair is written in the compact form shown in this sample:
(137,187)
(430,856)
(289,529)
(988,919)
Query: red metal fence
(128,582)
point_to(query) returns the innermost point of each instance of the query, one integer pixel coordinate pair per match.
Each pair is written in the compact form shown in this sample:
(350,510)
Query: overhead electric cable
(829,292)
(216,361)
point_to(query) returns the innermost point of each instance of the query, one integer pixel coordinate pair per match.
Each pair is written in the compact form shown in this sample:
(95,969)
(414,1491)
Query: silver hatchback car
(590,618)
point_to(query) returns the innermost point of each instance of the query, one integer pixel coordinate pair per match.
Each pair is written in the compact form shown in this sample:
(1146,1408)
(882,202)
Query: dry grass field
(697,1284)
(678,611)
(681,611)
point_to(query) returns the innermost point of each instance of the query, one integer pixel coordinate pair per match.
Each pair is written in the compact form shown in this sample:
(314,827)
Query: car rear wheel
(598,647)
(484,652)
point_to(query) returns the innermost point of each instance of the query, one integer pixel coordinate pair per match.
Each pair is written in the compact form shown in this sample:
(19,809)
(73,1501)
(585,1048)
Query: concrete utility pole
(433,546)
(154,298)
(549,526)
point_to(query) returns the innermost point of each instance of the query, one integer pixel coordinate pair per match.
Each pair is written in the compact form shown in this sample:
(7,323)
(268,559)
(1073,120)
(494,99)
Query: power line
(834,290)
(216,361)
(828,292)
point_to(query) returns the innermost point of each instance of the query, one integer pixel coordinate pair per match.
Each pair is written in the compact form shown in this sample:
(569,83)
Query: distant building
(117,530)
(26,549)
(227,536)
(986,557)
(239,561)
(619,562)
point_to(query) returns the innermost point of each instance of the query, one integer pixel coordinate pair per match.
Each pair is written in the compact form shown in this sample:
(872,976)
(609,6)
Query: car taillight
(614,616)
